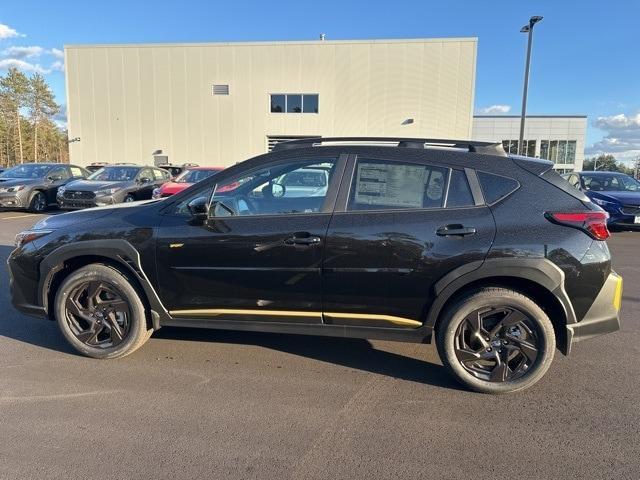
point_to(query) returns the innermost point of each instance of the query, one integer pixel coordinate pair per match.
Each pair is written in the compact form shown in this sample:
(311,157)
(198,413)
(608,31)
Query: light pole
(529,30)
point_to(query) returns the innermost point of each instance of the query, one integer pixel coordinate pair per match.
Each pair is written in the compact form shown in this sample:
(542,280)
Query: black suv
(112,184)
(33,186)
(495,257)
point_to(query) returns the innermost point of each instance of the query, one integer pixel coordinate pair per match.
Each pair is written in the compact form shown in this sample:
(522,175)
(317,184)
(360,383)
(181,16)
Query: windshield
(610,183)
(194,176)
(115,174)
(26,171)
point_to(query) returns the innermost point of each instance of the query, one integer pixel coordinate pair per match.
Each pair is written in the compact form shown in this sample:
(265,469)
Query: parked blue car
(617,193)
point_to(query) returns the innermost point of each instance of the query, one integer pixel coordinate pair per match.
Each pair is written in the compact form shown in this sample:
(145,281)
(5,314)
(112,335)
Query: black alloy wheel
(497,344)
(97,314)
(38,202)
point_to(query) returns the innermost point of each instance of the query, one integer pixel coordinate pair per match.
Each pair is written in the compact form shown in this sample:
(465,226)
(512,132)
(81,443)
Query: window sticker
(391,185)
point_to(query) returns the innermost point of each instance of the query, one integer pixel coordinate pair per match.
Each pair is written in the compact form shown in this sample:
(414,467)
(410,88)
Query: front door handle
(302,238)
(455,230)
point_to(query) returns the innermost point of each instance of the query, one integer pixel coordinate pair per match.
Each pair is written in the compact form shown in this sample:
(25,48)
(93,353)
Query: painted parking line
(17,216)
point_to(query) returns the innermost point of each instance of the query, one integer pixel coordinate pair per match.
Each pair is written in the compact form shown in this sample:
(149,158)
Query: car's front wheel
(37,202)
(129,198)
(496,340)
(100,313)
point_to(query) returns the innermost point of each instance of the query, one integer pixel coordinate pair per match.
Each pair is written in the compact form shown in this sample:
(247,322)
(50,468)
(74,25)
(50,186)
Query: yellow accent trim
(176,245)
(617,297)
(214,312)
(405,322)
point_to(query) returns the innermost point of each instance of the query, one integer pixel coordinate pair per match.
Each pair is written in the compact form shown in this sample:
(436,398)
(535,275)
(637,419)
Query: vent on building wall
(272,140)
(221,89)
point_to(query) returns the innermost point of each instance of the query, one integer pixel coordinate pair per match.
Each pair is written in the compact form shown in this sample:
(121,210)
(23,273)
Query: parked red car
(187,178)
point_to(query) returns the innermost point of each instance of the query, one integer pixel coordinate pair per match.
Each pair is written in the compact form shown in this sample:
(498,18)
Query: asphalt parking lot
(206,404)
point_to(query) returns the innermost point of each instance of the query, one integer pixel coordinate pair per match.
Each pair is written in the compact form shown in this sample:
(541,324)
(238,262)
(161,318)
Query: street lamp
(529,30)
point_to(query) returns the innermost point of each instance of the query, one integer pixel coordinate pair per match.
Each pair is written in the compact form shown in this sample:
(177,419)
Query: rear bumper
(604,315)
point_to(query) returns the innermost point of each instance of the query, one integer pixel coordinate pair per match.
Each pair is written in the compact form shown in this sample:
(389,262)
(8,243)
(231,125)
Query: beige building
(559,138)
(220,103)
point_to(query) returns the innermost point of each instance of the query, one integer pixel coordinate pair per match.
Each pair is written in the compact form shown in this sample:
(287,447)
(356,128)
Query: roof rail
(486,148)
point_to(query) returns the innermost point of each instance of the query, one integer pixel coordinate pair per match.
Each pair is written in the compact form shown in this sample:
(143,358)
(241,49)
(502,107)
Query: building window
(558,151)
(221,89)
(294,102)
(511,146)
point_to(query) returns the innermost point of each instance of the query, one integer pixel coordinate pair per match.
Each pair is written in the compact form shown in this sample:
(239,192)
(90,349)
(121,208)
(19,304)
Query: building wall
(537,127)
(126,101)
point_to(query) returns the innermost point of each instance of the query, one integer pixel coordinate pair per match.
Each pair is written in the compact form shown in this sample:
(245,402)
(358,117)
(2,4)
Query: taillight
(594,223)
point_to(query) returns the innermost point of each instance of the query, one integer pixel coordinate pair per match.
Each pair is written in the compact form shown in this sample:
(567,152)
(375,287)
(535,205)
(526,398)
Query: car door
(146,184)
(56,177)
(258,254)
(398,227)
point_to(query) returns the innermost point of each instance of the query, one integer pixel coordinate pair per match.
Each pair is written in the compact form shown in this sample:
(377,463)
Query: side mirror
(199,208)
(145,180)
(54,178)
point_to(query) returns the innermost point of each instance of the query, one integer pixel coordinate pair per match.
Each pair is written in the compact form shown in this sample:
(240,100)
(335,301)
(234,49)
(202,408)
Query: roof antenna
(322,37)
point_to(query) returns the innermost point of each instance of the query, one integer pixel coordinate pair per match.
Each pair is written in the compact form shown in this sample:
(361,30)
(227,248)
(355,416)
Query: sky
(585,58)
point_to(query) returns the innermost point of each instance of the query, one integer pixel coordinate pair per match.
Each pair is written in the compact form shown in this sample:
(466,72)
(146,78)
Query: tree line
(28,132)
(607,162)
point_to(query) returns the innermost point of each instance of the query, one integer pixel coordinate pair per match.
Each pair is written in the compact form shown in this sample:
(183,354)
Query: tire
(496,340)
(111,325)
(37,202)
(129,198)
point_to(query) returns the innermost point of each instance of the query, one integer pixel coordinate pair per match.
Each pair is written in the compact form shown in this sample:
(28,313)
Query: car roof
(215,169)
(600,173)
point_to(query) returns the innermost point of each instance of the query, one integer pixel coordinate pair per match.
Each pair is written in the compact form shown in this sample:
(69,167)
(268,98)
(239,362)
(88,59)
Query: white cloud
(23,52)
(7,63)
(495,109)
(56,52)
(622,138)
(7,32)
(57,66)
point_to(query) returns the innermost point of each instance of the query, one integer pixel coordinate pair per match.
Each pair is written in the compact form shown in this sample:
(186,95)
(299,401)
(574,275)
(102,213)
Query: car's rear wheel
(37,202)
(100,313)
(496,340)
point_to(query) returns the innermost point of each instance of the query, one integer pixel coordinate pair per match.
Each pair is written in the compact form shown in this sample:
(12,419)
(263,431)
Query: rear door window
(385,185)
(459,191)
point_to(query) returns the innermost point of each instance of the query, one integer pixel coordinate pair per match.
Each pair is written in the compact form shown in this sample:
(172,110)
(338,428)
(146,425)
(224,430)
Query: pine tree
(14,88)
(42,106)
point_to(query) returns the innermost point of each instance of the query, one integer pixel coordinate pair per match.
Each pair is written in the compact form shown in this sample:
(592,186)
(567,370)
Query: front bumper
(18,199)
(604,315)
(23,282)
(79,203)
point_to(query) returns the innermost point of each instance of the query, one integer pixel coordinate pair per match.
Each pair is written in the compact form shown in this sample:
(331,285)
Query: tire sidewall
(32,202)
(496,298)
(138,327)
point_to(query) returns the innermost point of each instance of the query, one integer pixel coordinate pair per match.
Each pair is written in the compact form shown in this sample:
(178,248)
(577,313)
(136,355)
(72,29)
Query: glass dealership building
(559,138)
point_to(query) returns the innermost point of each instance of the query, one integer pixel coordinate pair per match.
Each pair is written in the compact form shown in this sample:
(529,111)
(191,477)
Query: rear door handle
(455,230)
(302,238)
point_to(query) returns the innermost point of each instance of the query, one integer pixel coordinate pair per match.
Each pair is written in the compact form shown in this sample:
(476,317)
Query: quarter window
(496,187)
(294,102)
(380,185)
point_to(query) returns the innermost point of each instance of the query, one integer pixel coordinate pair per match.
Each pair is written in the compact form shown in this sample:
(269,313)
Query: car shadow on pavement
(358,354)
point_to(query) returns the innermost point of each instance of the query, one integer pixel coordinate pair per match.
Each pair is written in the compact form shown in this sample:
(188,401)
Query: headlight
(156,193)
(61,190)
(604,203)
(15,188)
(107,191)
(29,236)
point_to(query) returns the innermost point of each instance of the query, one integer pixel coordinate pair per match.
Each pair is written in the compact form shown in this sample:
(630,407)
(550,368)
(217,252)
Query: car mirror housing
(199,208)
(54,178)
(145,180)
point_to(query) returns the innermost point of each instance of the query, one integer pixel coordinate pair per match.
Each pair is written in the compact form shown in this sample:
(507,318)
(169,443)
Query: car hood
(173,187)
(626,198)
(94,185)
(10,182)
(55,222)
